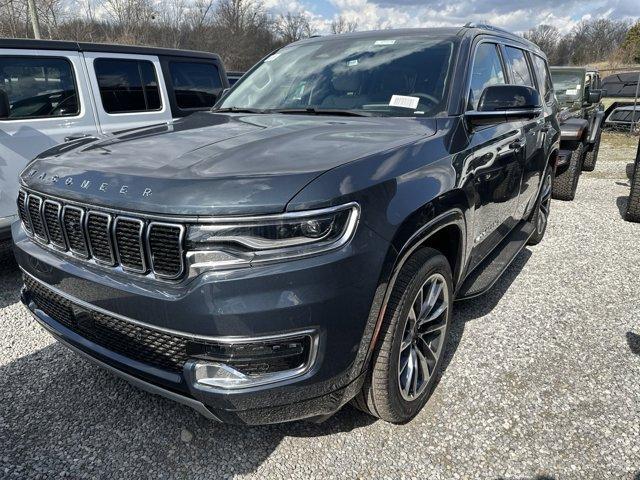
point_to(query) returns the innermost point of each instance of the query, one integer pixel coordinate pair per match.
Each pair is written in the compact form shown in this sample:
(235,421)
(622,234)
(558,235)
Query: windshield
(404,76)
(568,85)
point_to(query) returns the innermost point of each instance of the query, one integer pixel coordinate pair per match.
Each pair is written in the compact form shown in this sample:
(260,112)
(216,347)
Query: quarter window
(127,85)
(38,87)
(195,85)
(519,66)
(544,78)
(487,71)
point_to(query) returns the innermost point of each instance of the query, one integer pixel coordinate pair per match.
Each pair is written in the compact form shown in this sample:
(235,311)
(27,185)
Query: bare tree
(546,37)
(292,27)
(341,25)
(596,40)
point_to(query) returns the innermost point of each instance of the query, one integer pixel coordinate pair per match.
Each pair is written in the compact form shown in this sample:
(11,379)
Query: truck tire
(407,346)
(633,205)
(566,183)
(591,157)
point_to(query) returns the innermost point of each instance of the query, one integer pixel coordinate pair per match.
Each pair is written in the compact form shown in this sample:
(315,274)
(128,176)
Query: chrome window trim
(84,236)
(181,238)
(140,222)
(62,248)
(40,239)
(109,237)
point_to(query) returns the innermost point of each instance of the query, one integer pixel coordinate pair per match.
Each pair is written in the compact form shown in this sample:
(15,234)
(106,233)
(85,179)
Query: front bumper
(329,294)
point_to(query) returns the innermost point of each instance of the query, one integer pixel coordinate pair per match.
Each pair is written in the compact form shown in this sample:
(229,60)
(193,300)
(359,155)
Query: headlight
(235,242)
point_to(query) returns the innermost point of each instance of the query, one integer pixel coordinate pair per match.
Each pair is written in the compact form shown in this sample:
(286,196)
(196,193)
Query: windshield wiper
(238,110)
(323,111)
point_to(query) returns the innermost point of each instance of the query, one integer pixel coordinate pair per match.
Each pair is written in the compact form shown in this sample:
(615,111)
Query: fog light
(248,363)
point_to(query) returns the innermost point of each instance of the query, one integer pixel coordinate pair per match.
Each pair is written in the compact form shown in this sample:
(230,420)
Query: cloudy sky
(515,15)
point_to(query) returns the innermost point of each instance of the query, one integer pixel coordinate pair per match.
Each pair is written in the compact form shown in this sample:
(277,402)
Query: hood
(215,164)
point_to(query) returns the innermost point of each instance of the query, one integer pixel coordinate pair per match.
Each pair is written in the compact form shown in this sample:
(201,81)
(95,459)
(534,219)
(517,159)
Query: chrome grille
(22,211)
(72,221)
(110,240)
(34,205)
(164,249)
(51,213)
(99,236)
(129,233)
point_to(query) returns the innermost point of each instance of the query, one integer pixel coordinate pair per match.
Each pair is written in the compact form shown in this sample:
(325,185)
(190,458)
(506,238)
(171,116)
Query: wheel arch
(445,232)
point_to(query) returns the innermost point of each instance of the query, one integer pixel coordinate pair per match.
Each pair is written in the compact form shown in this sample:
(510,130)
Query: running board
(489,271)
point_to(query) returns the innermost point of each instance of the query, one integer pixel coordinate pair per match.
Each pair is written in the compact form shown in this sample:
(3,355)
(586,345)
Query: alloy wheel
(545,204)
(423,335)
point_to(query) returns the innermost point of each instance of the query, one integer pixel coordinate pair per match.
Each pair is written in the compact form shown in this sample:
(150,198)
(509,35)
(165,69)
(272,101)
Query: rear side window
(519,67)
(127,85)
(38,87)
(544,78)
(487,71)
(195,85)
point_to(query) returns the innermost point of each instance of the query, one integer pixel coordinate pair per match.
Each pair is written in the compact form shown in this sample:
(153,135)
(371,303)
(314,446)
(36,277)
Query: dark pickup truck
(302,244)
(581,114)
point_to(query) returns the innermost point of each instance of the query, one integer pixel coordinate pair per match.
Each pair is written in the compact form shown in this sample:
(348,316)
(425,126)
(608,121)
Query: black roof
(469,29)
(25,43)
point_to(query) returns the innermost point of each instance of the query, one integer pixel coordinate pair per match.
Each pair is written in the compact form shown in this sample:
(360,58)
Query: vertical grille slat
(34,206)
(128,235)
(165,249)
(52,212)
(22,211)
(72,221)
(99,236)
(137,245)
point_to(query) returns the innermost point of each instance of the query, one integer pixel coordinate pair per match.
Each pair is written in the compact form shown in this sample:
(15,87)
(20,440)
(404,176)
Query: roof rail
(486,26)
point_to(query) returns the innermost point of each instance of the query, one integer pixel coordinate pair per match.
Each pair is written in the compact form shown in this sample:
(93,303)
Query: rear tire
(410,340)
(566,183)
(590,159)
(633,205)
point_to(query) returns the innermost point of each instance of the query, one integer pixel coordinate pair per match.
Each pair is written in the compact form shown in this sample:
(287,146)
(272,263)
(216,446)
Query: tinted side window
(195,85)
(127,85)
(487,70)
(39,87)
(519,67)
(544,78)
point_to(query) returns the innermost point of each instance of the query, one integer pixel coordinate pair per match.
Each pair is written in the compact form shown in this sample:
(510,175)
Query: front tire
(408,355)
(633,205)
(589,164)
(566,183)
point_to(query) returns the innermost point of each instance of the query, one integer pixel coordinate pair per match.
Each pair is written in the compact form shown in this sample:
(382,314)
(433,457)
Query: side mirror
(505,103)
(594,96)
(5,107)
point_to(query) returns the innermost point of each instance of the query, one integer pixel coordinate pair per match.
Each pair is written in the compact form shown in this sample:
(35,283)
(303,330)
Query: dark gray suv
(302,244)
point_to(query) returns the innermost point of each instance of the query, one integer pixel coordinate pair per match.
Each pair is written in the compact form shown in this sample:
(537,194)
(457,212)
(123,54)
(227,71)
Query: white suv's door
(49,101)
(129,90)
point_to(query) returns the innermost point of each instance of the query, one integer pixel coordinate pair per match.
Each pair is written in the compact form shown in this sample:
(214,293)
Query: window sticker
(571,91)
(403,101)
(352,63)
(385,42)
(273,57)
(578,87)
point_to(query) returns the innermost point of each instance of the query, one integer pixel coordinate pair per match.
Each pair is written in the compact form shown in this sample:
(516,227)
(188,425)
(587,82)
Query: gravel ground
(543,381)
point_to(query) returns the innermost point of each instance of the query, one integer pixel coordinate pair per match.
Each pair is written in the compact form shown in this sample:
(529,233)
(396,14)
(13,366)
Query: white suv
(52,92)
